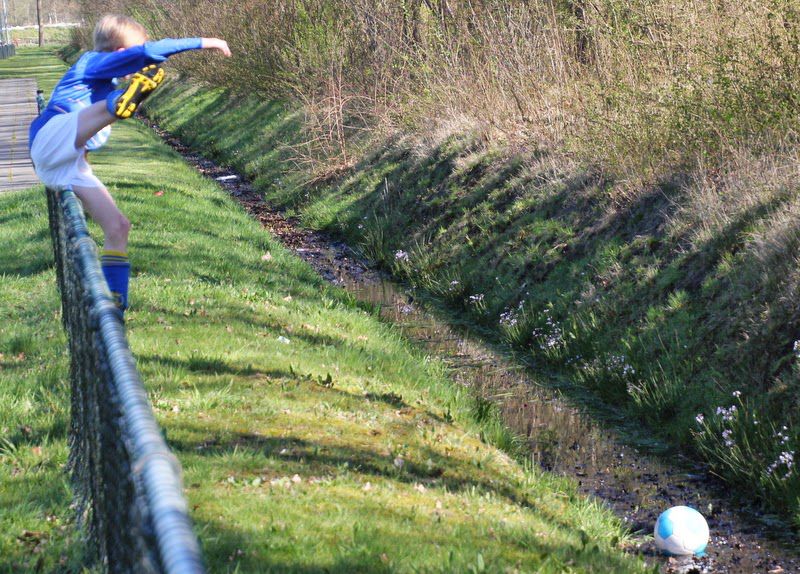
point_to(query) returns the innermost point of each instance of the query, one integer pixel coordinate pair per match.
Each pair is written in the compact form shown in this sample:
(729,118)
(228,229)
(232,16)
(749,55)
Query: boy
(78,119)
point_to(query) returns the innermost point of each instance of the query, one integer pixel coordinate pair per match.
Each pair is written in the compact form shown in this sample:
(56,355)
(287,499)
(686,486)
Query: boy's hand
(216,44)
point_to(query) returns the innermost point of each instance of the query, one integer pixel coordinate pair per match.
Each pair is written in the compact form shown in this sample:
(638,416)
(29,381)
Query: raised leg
(90,121)
(119,104)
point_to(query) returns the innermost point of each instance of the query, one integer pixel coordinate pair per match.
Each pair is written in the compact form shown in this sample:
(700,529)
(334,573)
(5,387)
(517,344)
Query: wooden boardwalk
(17,110)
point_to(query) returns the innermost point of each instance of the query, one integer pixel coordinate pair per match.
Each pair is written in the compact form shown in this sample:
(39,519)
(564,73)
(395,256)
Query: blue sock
(111,101)
(117,270)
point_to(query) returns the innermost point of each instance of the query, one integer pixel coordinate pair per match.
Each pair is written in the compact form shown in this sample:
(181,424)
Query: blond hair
(112,30)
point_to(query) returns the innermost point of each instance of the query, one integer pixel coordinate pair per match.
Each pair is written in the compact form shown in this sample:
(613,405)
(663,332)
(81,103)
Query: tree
(39,22)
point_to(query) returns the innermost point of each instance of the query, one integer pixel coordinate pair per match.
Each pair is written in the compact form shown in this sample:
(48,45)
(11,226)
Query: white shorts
(56,159)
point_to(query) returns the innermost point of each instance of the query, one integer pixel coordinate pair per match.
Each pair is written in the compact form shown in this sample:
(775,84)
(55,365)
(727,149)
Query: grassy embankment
(677,302)
(626,169)
(312,437)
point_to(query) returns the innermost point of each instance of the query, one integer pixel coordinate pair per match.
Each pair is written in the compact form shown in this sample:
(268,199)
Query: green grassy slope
(677,303)
(312,437)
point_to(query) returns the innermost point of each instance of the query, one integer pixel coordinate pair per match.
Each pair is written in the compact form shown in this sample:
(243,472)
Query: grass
(53,35)
(653,309)
(38,62)
(312,436)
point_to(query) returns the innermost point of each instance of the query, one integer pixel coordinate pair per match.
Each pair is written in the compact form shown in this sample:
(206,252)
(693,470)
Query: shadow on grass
(257,322)
(25,267)
(59,549)
(38,62)
(366,542)
(502,252)
(206,365)
(226,551)
(30,250)
(317,458)
(36,435)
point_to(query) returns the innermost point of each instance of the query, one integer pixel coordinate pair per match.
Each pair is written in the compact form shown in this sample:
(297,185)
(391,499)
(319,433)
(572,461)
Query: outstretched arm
(216,44)
(106,65)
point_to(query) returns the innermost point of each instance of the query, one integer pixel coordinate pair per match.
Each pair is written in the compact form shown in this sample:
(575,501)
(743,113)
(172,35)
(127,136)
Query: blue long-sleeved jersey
(90,79)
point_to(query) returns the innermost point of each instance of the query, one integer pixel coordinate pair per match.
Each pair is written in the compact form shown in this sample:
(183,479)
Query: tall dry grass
(640,88)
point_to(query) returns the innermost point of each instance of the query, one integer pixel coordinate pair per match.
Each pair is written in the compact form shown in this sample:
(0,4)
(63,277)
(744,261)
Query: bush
(639,88)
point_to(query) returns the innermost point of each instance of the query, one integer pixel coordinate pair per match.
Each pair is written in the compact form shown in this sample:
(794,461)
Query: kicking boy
(78,119)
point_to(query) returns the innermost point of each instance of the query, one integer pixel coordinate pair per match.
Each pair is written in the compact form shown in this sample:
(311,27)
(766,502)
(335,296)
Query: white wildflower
(509,317)
(785,460)
(726,436)
(727,414)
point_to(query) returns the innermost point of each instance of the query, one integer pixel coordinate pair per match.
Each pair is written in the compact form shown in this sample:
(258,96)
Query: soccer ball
(681,531)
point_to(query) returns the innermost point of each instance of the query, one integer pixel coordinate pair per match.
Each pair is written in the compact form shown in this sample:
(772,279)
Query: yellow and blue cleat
(123,103)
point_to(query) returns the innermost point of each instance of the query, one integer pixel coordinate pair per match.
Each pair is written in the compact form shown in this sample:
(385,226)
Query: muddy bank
(559,437)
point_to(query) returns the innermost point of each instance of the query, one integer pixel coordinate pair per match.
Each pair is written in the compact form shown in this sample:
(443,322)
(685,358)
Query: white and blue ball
(681,531)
